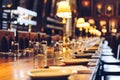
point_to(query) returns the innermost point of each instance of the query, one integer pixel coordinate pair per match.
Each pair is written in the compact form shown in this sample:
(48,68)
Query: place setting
(50,74)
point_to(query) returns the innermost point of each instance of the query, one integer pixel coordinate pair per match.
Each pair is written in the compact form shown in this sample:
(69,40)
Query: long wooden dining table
(18,68)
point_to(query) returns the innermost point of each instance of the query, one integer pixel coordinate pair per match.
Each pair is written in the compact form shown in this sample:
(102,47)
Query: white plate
(49,73)
(84,55)
(75,61)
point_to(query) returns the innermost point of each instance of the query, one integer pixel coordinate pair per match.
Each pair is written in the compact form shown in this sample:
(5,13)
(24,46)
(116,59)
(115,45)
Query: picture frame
(113,24)
(118,8)
(99,9)
(109,10)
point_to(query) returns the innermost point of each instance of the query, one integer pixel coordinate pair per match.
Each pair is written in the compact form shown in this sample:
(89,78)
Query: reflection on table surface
(18,70)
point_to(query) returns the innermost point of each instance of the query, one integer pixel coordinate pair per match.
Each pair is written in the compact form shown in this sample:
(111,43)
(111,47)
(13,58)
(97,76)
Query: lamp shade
(80,22)
(91,21)
(114,30)
(63,10)
(104,30)
(103,23)
(86,25)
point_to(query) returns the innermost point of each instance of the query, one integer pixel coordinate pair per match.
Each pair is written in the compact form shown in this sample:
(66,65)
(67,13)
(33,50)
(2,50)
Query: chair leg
(104,77)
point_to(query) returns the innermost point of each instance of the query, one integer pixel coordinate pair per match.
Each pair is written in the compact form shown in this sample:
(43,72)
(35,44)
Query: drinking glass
(39,61)
(44,47)
(40,55)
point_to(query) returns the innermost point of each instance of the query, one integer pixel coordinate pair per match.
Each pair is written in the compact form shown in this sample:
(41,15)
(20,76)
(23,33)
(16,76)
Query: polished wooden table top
(17,70)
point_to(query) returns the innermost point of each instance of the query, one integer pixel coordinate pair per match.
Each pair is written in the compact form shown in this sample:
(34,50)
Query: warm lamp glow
(91,29)
(63,10)
(109,8)
(86,25)
(103,23)
(9,5)
(114,30)
(91,21)
(42,29)
(86,3)
(80,22)
(104,30)
(53,31)
(113,23)
(97,33)
(80,25)
(99,6)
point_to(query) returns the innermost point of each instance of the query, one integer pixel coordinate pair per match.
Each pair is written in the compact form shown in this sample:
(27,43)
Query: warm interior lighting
(114,30)
(86,26)
(91,29)
(9,5)
(80,26)
(86,3)
(42,29)
(63,10)
(103,23)
(109,8)
(113,23)
(97,33)
(53,31)
(94,31)
(80,23)
(99,6)
(104,30)
(80,20)
(91,21)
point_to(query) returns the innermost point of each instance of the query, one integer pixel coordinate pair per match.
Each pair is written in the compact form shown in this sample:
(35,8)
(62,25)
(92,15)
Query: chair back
(118,52)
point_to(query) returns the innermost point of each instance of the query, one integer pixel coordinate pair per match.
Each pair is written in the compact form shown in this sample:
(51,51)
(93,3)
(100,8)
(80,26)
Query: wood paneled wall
(6,37)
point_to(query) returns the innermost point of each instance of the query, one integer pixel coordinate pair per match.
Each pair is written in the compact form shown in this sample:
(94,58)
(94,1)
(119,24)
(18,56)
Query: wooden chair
(118,52)
(110,67)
